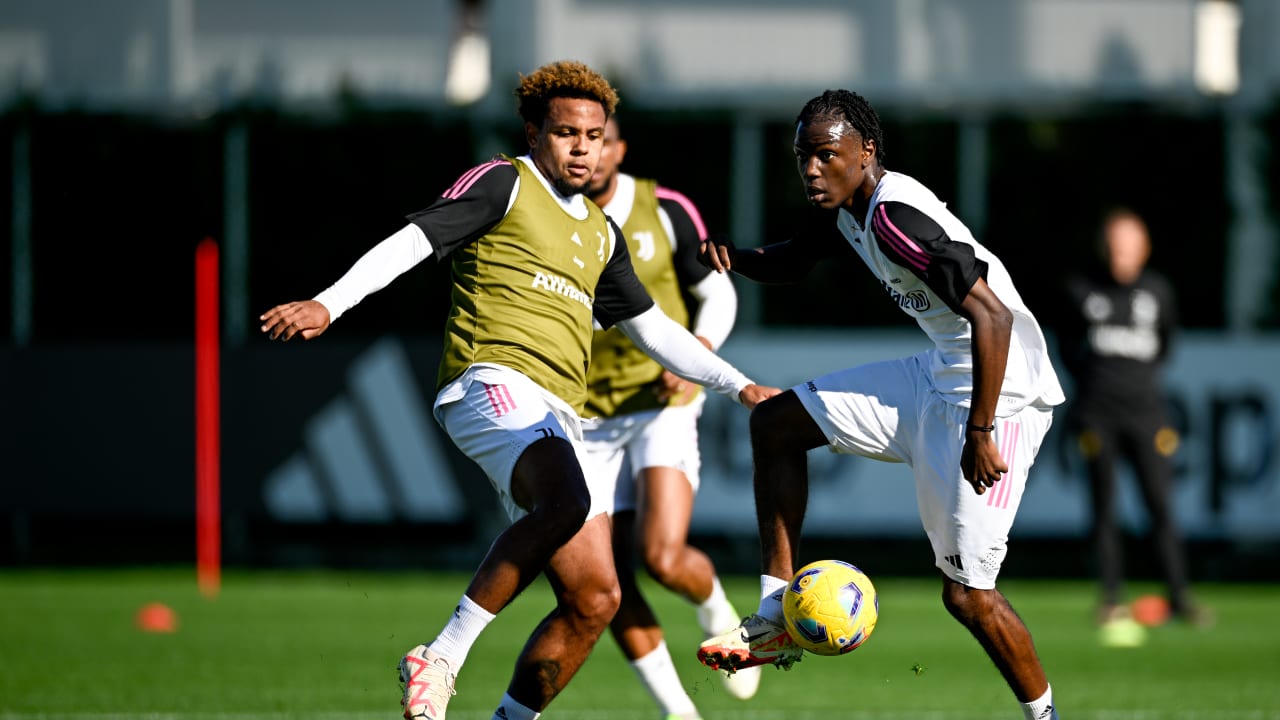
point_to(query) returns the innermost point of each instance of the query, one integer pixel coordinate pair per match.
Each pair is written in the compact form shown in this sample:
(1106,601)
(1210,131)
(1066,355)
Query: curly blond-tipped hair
(566,78)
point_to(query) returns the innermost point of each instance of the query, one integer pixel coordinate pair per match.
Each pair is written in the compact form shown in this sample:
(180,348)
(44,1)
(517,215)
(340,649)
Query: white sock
(771,589)
(658,674)
(1041,709)
(509,709)
(460,633)
(716,613)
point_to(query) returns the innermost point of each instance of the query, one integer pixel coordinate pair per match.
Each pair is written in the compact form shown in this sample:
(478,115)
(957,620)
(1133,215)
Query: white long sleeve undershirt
(384,262)
(676,349)
(717,308)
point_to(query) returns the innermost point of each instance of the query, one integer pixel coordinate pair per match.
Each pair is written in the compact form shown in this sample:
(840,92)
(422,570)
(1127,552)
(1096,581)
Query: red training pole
(208,421)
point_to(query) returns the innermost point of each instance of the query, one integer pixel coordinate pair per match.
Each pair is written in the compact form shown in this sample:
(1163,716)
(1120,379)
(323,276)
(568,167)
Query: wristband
(979,428)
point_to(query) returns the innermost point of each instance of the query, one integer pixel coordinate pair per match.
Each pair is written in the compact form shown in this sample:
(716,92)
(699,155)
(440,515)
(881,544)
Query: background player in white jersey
(533,263)
(967,416)
(647,433)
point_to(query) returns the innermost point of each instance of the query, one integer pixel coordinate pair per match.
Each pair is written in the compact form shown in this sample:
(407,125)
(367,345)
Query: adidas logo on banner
(372,455)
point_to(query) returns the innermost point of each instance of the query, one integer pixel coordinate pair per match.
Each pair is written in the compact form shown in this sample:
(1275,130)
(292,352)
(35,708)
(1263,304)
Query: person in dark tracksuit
(1122,320)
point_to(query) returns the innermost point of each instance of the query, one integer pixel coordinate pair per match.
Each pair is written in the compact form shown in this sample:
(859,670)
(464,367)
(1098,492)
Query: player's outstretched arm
(307,318)
(784,262)
(718,253)
(670,387)
(374,270)
(752,395)
(717,306)
(666,341)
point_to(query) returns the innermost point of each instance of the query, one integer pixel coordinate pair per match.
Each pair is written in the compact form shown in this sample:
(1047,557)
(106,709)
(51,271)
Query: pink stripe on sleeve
(910,251)
(687,204)
(470,177)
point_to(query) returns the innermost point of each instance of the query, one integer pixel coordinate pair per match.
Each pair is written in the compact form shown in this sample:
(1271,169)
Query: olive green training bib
(522,294)
(619,379)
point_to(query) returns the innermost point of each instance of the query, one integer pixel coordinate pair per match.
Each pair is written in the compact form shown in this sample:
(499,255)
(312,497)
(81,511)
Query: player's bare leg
(585,584)
(782,433)
(635,628)
(665,505)
(665,500)
(548,482)
(992,620)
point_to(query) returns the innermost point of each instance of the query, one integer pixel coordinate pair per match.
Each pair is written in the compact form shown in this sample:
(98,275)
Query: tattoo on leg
(548,674)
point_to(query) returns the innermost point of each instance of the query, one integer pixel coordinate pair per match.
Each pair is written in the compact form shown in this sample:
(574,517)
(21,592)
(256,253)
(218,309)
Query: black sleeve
(688,239)
(915,241)
(619,295)
(469,208)
(818,235)
(814,238)
(1167,326)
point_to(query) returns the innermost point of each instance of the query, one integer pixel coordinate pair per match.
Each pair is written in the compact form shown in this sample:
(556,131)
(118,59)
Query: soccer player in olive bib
(533,264)
(646,437)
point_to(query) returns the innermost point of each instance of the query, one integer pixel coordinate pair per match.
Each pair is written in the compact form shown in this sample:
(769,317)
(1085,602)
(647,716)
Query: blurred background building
(296,133)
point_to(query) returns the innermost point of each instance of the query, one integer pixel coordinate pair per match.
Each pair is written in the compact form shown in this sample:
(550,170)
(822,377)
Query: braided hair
(846,106)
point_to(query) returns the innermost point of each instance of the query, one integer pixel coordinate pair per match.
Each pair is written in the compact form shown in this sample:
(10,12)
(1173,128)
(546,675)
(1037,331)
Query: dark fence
(118,203)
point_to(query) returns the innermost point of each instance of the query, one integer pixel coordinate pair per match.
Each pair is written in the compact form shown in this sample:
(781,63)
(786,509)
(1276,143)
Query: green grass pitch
(324,644)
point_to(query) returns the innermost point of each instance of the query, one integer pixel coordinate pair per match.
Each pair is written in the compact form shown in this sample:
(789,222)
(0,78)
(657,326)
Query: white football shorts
(889,411)
(492,413)
(618,448)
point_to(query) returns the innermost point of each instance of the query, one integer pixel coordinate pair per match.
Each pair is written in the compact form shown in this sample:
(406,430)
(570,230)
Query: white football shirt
(925,272)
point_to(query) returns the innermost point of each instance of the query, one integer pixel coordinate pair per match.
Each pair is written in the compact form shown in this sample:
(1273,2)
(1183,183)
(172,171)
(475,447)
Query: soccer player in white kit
(967,416)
